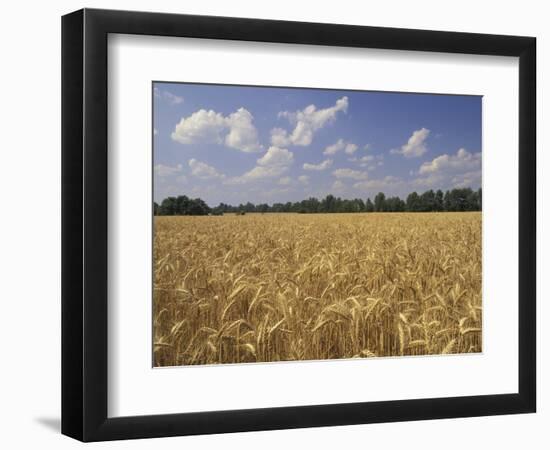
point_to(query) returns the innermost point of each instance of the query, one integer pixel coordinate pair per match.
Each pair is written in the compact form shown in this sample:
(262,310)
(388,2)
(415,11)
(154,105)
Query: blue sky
(235,144)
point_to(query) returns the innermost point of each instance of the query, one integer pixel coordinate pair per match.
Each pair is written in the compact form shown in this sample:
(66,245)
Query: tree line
(464,199)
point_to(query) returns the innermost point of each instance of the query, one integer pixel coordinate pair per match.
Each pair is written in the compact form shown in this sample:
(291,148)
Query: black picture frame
(84,224)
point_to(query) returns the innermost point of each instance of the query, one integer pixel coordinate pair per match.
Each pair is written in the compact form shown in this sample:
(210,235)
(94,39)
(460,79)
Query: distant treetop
(463,199)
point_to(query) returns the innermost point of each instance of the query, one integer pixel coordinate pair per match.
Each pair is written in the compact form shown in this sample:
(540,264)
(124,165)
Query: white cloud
(236,130)
(276,156)
(334,148)
(350,173)
(463,169)
(348,147)
(279,137)
(258,173)
(351,148)
(468,179)
(306,122)
(327,163)
(203,170)
(415,146)
(168,96)
(338,186)
(173,99)
(366,159)
(371,162)
(430,181)
(242,133)
(201,126)
(381,183)
(462,161)
(285,181)
(304,179)
(162,170)
(273,163)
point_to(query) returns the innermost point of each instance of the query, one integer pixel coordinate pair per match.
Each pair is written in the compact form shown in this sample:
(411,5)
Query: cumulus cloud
(338,186)
(236,130)
(350,173)
(279,137)
(462,161)
(462,169)
(168,96)
(364,161)
(304,179)
(162,170)
(242,133)
(467,179)
(429,181)
(284,181)
(327,163)
(306,122)
(334,148)
(201,126)
(202,170)
(276,156)
(258,173)
(371,162)
(415,146)
(348,147)
(173,99)
(273,163)
(387,182)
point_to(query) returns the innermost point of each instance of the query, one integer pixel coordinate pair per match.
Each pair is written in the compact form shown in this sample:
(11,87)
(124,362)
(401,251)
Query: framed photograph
(273,225)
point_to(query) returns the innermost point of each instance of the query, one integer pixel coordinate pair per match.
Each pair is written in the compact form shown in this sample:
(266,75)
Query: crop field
(279,287)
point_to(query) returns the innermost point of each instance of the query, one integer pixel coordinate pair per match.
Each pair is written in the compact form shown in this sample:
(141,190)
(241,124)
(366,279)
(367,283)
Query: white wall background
(30,229)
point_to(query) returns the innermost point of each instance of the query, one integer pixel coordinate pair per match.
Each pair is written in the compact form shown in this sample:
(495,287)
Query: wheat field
(279,287)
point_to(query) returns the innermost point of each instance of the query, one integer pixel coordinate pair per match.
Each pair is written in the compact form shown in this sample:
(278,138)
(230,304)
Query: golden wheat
(275,287)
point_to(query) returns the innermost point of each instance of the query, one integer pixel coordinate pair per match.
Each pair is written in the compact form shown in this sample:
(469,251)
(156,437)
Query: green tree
(395,204)
(197,207)
(447,202)
(328,204)
(413,202)
(369,207)
(458,199)
(168,207)
(183,205)
(278,207)
(380,202)
(262,208)
(359,205)
(438,206)
(427,201)
(346,206)
(249,207)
